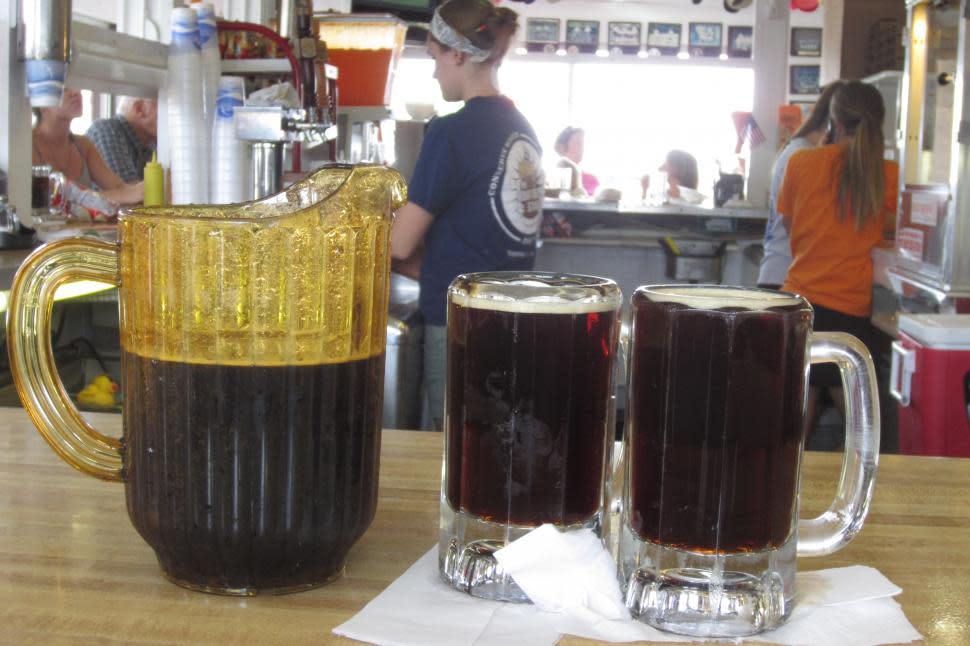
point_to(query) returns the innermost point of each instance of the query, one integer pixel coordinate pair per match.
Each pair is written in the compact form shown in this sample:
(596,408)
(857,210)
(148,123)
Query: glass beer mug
(528,416)
(252,340)
(709,528)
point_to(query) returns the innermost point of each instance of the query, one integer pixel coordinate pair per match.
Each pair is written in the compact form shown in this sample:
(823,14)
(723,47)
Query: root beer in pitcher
(252,365)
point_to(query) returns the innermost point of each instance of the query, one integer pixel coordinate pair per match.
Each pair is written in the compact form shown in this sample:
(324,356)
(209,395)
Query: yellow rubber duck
(100,393)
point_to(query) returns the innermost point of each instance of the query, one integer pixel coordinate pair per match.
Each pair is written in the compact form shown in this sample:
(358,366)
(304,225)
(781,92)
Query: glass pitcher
(252,340)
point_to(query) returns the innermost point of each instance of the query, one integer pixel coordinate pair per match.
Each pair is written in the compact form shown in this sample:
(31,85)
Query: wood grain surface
(73,570)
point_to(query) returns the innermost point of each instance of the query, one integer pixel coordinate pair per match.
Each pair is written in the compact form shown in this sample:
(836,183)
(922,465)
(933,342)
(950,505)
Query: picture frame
(542,30)
(806,41)
(804,79)
(704,39)
(623,37)
(542,35)
(740,41)
(663,38)
(582,36)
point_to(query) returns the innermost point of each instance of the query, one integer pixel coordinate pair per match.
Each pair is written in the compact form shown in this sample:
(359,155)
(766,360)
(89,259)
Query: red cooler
(931,380)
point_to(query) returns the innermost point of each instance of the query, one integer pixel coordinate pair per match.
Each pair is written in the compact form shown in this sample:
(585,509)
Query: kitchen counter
(74,570)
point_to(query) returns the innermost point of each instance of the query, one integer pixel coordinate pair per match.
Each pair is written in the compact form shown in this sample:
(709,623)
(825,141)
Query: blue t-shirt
(479,174)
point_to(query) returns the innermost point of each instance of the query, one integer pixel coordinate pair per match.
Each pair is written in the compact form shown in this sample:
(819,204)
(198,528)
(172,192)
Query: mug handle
(32,357)
(832,530)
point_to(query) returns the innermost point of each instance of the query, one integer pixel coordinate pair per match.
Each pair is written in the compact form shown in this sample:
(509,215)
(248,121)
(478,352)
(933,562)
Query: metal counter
(589,217)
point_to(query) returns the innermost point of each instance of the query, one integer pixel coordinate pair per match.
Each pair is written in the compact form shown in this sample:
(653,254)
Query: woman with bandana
(475,199)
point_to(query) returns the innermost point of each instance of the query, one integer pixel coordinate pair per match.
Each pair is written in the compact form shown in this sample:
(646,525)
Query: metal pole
(267,168)
(14,112)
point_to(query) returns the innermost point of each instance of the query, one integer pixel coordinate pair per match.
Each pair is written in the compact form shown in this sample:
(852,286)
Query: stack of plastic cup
(188,137)
(231,163)
(211,63)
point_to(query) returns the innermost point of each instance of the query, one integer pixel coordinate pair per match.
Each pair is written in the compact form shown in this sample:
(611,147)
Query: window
(632,113)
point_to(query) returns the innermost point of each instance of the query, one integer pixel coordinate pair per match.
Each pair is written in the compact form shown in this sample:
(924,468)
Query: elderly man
(126,141)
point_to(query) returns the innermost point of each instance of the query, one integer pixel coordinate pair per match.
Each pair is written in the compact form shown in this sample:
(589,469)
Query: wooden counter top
(72,568)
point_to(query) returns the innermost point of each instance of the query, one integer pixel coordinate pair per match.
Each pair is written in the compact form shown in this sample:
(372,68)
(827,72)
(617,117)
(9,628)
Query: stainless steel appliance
(931,268)
(402,359)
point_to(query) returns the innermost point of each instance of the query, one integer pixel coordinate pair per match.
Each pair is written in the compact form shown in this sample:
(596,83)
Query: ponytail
(858,108)
(818,118)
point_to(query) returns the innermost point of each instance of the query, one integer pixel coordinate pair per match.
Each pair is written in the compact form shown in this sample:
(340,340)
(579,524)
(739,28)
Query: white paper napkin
(572,581)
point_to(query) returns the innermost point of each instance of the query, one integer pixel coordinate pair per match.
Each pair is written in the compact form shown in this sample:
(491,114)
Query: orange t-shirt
(831,259)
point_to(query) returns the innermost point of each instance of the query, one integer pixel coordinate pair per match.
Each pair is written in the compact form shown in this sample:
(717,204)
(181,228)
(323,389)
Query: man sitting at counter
(127,140)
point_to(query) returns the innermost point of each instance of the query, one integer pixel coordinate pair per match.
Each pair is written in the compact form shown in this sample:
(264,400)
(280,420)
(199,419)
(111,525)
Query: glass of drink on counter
(45,184)
(528,416)
(709,528)
(40,191)
(252,365)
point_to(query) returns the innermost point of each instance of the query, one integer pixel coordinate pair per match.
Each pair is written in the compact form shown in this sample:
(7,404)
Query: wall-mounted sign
(704,39)
(663,38)
(804,79)
(623,37)
(806,41)
(740,42)
(582,36)
(541,34)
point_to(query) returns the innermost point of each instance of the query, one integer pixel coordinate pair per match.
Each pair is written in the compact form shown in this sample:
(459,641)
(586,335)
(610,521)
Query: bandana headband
(447,36)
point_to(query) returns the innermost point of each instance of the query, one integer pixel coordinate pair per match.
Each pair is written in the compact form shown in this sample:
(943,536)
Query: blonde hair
(487,27)
(819,117)
(858,109)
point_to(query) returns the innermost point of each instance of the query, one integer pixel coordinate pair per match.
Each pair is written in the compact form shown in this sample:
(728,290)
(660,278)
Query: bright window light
(633,114)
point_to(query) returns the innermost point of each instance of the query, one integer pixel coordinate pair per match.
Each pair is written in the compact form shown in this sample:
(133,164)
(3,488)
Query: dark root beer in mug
(709,529)
(716,410)
(528,412)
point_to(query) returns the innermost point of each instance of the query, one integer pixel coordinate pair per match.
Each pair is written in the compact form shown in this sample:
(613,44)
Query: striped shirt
(120,147)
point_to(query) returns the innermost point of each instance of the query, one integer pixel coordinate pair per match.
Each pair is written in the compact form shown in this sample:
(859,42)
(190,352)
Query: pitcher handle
(32,357)
(836,527)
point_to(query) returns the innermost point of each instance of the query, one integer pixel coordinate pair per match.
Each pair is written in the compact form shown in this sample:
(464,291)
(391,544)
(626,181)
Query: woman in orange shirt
(837,202)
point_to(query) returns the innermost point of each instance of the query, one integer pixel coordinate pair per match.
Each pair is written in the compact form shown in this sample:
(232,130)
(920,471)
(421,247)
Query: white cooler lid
(938,330)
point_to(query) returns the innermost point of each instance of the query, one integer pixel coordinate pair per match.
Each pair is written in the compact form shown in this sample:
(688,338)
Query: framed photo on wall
(582,36)
(663,38)
(806,41)
(704,39)
(740,42)
(804,79)
(541,34)
(623,37)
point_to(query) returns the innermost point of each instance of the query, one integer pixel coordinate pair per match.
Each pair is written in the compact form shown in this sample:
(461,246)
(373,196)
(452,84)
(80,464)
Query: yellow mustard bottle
(154,182)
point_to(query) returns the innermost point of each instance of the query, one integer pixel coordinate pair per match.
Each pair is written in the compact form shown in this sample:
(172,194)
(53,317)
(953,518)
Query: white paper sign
(909,242)
(924,209)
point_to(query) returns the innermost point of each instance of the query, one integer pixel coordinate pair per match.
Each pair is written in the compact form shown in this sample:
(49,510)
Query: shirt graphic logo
(516,189)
